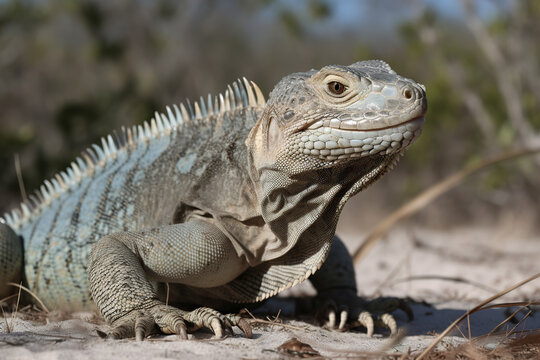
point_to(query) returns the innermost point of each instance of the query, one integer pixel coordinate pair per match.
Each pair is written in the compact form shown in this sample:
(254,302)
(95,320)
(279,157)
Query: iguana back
(142,178)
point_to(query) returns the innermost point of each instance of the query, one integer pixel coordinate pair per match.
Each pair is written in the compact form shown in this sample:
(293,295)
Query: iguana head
(322,137)
(339,115)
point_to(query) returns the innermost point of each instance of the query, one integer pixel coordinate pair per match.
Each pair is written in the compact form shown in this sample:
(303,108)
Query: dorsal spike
(232,99)
(44,193)
(140,132)
(221,104)
(112,145)
(129,135)
(159,123)
(98,152)
(210,105)
(185,114)
(147,130)
(121,139)
(249,90)
(153,127)
(89,157)
(76,169)
(179,115)
(50,187)
(227,100)
(132,135)
(80,162)
(190,108)
(25,209)
(172,118)
(13,217)
(57,183)
(240,92)
(166,123)
(8,218)
(203,107)
(198,114)
(237,95)
(35,200)
(260,97)
(70,174)
(63,179)
(105,147)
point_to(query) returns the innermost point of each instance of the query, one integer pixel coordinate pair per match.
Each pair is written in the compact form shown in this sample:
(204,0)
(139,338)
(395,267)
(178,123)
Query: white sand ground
(496,258)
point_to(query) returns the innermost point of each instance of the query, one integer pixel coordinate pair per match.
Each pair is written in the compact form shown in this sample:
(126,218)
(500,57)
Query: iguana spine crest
(240,95)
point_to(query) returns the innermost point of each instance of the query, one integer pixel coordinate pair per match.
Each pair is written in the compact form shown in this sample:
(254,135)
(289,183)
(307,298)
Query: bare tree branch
(503,74)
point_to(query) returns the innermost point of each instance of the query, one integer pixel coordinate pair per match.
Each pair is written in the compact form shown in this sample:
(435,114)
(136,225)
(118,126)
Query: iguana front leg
(124,268)
(337,296)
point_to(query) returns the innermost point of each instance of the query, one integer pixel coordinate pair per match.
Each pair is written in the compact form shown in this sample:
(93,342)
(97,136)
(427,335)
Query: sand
(444,273)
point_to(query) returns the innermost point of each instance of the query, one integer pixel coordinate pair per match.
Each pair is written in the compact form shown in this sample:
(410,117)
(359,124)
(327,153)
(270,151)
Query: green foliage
(21,13)
(73,71)
(291,23)
(319,10)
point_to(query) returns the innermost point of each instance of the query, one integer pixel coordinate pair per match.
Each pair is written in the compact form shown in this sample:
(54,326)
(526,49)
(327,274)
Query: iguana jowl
(228,201)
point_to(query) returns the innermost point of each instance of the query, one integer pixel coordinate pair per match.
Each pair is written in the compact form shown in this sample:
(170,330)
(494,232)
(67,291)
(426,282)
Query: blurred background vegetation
(73,71)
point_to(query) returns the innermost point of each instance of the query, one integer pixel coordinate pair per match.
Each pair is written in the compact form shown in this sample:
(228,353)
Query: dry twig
(430,194)
(478,307)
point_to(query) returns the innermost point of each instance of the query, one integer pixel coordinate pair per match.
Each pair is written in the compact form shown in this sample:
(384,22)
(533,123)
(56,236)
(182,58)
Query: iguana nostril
(408,93)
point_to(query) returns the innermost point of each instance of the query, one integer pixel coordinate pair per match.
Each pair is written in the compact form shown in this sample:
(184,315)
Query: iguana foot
(170,320)
(342,315)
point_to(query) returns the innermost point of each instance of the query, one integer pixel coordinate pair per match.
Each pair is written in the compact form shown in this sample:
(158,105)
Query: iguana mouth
(333,143)
(383,121)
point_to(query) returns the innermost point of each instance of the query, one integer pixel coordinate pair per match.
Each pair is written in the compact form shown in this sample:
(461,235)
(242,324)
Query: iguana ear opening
(274,135)
(265,139)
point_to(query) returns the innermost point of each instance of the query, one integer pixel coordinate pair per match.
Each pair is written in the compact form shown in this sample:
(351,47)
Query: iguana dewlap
(227,201)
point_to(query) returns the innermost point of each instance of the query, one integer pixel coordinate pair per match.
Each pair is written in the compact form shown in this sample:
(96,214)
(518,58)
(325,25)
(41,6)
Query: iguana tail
(11,259)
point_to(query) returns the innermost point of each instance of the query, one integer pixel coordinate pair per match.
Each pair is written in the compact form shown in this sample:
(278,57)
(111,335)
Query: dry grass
(521,348)
(483,306)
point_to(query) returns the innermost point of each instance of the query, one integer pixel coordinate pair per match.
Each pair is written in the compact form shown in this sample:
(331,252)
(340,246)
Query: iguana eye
(336,87)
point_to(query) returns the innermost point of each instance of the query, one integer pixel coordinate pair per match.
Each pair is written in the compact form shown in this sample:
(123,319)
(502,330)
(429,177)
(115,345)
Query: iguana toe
(382,307)
(217,322)
(345,312)
(366,320)
(389,321)
(141,323)
(134,324)
(343,319)
(170,320)
(143,326)
(242,323)
(389,304)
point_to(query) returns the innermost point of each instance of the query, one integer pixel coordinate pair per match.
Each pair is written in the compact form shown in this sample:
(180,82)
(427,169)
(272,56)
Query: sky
(348,10)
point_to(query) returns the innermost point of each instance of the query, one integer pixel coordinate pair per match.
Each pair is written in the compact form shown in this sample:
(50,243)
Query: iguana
(217,204)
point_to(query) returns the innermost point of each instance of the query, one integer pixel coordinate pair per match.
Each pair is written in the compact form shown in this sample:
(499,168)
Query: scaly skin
(229,203)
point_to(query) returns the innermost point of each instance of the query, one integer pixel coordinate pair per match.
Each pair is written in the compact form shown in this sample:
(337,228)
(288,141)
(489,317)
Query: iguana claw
(143,327)
(217,328)
(372,314)
(366,320)
(170,320)
(390,322)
